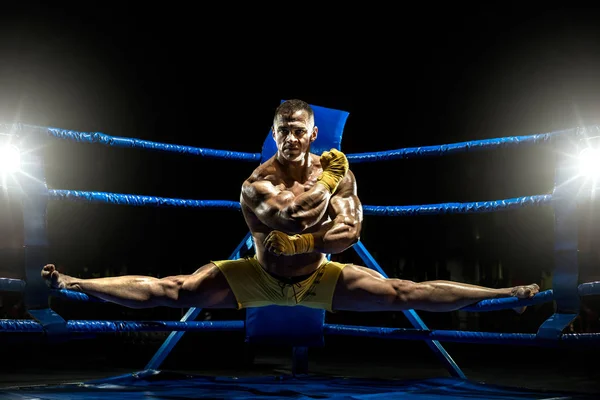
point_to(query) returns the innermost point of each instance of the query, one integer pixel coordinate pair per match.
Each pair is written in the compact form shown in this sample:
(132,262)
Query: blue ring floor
(154,384)
(206,366)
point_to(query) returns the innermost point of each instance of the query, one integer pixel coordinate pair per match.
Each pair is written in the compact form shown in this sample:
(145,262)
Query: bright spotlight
(10,159)
(589,163)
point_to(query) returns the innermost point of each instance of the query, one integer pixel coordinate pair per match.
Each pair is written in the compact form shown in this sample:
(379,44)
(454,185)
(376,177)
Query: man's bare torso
(287,266)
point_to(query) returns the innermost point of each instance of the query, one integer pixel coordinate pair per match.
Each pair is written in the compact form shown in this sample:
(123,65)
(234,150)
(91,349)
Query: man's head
(294,129)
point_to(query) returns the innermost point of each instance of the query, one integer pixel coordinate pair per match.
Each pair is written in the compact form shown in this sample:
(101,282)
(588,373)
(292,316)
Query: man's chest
(297,187)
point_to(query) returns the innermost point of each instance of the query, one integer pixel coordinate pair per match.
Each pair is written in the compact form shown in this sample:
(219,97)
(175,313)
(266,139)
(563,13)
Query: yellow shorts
(252,286)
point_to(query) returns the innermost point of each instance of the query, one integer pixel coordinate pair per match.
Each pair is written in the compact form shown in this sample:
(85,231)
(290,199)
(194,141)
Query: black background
(211,77)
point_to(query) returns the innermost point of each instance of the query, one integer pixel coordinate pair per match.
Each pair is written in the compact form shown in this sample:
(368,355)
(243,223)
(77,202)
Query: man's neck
(296,170)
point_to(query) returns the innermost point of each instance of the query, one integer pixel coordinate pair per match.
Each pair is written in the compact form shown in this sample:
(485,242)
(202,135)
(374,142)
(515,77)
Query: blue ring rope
(460,336)
(428,209)
(463,147)
(89,326)
(404,153)
(93,326)
(459,208)
(115,141)
(139,200)
(12,285)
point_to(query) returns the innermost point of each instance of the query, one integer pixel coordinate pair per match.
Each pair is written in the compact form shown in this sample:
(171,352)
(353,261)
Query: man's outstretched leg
(206,288)
(362,289)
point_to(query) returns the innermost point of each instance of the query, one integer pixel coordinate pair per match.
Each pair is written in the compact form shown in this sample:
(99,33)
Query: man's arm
(334,236)
(346,213)
(284,211)
(281,209)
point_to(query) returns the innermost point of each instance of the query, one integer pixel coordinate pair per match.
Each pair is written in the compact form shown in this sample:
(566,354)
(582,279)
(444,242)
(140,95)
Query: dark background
(212,78)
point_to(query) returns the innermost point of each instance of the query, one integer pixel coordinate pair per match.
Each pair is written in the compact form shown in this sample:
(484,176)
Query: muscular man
(299,207)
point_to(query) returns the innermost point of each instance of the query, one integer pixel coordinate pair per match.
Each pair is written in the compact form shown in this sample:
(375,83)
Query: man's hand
(280,243)
(335,166)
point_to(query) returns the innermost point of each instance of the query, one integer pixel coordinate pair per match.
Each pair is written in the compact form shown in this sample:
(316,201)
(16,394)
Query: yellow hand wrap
(335,166)
(283,244)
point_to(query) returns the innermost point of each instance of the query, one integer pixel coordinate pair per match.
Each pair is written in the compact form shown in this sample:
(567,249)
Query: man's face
(294,134)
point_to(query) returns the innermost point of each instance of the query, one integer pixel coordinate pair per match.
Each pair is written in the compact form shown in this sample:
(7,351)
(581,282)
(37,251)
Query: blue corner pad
(285,326)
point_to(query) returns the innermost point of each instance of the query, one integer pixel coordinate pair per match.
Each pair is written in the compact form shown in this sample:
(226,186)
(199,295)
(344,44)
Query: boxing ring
(298,327)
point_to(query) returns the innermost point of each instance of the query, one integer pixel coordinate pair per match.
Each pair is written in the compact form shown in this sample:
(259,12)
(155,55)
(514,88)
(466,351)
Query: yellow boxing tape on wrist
(304,243)
(330,182)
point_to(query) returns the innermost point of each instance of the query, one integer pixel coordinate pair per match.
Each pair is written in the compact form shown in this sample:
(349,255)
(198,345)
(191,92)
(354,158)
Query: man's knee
(170,288)
(403,292)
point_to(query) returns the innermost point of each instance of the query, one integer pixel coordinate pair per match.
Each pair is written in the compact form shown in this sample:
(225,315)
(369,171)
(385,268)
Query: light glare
(10,159)
(589,163)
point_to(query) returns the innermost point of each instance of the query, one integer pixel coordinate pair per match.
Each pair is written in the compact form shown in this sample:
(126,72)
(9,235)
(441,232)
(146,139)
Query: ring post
(567,187)
(34,200)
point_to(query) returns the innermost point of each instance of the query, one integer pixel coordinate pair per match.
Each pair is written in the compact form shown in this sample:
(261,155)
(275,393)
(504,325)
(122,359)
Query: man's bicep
(345,202)
(347,206)
(265,200)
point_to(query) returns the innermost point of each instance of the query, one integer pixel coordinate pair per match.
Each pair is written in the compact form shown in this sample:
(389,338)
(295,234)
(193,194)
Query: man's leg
(205,288)
(361,289)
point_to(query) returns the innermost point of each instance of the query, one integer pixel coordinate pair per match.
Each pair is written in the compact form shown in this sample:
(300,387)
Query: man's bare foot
(53,278)
(524,292)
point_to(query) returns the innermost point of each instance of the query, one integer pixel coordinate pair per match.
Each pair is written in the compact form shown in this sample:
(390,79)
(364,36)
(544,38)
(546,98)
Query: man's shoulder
(259,183)
(264,172)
